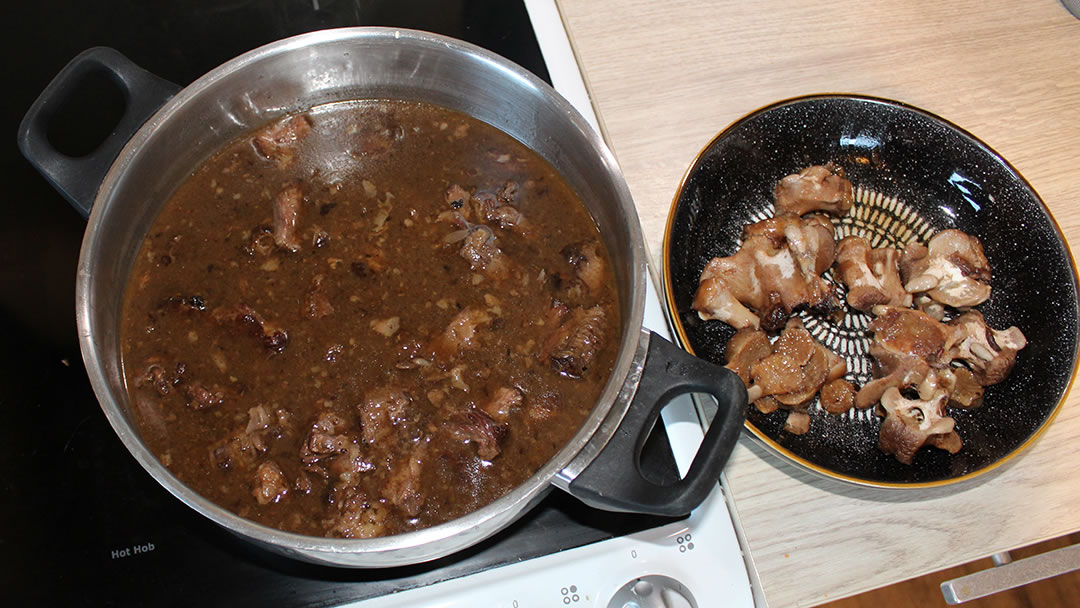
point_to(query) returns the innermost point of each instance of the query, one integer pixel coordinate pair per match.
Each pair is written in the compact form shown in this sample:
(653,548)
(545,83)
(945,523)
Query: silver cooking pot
(165,134)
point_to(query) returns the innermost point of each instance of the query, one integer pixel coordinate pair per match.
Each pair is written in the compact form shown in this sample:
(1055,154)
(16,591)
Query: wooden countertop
(666,75)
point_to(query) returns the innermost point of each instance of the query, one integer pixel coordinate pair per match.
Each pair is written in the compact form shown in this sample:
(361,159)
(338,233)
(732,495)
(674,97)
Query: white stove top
(696,562)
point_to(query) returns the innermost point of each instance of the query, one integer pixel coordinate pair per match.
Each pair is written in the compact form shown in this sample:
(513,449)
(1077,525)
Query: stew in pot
(366,319)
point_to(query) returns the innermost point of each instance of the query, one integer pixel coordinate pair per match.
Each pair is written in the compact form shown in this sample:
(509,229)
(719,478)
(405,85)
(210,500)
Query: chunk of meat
(952,269)
(989,353)
(278,141)
(587,263)
(461,334)
(910,424)
(797,422)
(817,188)
(498,210)
(837,396)
(270,483)
(287,216)
(200,398)
(908,345)
(744,349)
(316,304)
(326,440)
(503,403)
(572,348)
(356,515)
(162,380)
(384,411)
(480,248)
(476,427)
(872,275)
(776,271)
(964,390)
(245,318)
(796,369)
(242,448)
(404,486)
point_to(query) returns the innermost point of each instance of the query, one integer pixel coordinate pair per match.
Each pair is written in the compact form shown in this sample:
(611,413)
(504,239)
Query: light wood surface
(666,75)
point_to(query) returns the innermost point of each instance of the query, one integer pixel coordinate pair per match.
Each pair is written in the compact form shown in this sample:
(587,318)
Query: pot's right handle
(614,481)
(78,178)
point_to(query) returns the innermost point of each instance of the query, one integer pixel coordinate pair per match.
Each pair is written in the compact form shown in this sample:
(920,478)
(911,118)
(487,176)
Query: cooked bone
(907,345)
(910,423)
(952,269)
(776,271)
(817,188)
(990,353)
(871,275)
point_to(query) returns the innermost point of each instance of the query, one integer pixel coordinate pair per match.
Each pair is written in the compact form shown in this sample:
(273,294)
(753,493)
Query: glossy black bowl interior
(949,179)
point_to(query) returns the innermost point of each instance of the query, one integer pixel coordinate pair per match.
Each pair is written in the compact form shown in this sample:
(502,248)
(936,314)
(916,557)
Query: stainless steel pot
(125,182)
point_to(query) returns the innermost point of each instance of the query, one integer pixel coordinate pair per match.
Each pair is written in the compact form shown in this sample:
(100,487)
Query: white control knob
(653,591)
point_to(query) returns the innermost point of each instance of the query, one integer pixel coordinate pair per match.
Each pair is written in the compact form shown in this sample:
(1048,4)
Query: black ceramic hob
(81,524)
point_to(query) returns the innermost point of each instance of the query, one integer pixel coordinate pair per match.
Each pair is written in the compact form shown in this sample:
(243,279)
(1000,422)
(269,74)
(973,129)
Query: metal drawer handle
(1008,574)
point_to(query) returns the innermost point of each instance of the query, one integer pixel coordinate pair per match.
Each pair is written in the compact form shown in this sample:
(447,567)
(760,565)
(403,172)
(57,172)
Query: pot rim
(435,541)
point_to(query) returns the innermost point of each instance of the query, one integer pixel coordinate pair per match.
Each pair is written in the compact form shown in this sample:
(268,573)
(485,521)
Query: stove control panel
(653,591)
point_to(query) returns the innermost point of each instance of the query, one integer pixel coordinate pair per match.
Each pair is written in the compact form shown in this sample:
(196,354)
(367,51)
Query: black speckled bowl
(914,174)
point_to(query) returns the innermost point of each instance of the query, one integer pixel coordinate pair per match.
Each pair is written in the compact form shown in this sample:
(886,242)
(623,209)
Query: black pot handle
(614,481)
(78,178)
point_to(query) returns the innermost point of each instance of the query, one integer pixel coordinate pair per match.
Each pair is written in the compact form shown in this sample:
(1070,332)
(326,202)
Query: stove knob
(653,591)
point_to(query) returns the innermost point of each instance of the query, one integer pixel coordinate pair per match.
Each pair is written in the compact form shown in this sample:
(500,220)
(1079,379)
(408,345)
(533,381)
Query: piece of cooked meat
(872,275)
(585,258)
(270,483)
(907,346)
(910,424)
(989,353)
(744,349)
(404,487)
(952,269)
(797,422)
(476,427)
(278,141)
(246,318)
(572,348)
(461,333)
(775,272)
(964,390)
(792,374)
(481,249)
(817,188)
(837,396)
(286,216)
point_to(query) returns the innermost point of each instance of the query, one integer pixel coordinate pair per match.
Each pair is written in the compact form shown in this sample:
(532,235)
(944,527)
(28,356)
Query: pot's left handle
(614,481)
(78,178)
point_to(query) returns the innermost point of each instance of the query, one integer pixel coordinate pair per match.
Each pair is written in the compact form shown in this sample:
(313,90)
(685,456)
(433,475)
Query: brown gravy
(367,319)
